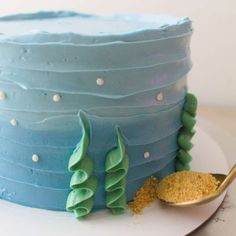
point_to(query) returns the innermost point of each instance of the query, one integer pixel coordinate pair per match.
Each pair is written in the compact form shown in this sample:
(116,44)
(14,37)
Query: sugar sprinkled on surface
(144,196)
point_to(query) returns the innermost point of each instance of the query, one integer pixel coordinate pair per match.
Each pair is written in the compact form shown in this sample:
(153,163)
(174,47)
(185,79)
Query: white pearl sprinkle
(13,122)
(35,158)
(159,97)
(3,96)
(56,98)
(146,155)
(100,81)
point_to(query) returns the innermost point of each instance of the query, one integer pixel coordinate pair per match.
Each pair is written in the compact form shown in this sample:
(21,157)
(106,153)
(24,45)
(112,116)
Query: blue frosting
(77,28)
(142,61)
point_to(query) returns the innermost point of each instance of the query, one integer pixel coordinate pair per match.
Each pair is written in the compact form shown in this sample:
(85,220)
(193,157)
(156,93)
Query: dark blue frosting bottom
(46,183)
(55,199)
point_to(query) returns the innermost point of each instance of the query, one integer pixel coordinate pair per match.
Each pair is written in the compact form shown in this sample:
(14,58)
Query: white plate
(16,220)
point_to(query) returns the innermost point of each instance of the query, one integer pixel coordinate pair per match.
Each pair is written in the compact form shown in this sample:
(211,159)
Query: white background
(213,77)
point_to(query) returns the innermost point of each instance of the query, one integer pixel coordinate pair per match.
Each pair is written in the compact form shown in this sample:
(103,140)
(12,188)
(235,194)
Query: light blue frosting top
(143,62)
(77,28)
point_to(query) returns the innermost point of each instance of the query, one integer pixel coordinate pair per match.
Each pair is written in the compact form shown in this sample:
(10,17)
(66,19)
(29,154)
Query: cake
(91,106)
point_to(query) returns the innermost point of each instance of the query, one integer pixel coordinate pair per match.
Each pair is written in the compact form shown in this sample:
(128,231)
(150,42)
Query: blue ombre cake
(125,74)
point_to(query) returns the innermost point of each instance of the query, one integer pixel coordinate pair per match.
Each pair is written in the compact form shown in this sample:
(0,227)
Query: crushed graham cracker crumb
(144,196)
(186,186)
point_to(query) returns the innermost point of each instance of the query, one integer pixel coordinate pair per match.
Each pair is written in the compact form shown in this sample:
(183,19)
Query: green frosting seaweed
(186,133)
(184,140)
(81,199)
(188,120)
(180,166)
(183,156)
(116,167)
(191,104)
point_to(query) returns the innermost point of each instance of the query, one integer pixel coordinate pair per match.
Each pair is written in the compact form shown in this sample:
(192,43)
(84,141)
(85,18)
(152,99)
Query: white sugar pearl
(56,98)
(35,158)
(3,96)
(13,122)
(100,81)
(146,155)
(159,97)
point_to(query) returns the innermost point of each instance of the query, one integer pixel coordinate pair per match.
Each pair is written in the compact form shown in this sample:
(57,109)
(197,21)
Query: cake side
(135,79)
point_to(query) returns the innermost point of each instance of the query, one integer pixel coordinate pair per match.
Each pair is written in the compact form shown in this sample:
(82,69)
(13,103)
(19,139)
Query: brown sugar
(186,186)
(145,196)
(177,187)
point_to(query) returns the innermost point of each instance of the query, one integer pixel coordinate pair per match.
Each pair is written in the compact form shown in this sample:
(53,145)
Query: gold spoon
(225,181)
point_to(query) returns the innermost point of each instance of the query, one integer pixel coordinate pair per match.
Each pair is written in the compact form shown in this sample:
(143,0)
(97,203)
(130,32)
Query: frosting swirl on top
(76,28)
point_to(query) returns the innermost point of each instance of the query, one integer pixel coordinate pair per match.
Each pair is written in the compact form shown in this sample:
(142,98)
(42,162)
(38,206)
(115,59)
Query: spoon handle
(229,179)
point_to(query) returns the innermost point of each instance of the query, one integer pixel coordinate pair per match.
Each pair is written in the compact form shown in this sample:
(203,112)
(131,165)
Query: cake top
(73,27)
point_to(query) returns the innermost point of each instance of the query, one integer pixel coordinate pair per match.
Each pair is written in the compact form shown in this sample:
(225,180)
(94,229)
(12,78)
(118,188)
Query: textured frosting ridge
(186,133)
(83,183)
(116,170)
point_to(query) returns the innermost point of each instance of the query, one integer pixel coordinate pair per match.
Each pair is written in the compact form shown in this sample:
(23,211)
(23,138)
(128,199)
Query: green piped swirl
(116,166)
(81,199)
(186,133)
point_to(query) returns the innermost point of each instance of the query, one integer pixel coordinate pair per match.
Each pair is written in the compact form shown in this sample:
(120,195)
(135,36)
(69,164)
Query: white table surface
(220,125)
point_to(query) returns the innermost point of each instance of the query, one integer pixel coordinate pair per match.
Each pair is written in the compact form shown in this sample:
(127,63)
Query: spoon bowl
(224,182)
